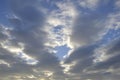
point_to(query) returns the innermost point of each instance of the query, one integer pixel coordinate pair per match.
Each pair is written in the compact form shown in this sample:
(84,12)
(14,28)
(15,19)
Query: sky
(59,39)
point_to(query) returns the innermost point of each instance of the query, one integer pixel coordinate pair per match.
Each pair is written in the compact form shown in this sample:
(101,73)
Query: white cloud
(90,4)
(117,4)
(2,62)
(59,24)
(114,20)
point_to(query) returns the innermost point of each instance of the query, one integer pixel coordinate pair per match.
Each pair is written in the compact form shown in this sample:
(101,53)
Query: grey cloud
(6,55)
(113,47)
(3,36)
(27,29)
(81,53)
(88,28)
(98,76)
(83,58)
(86,68)
(27,25)
(112,53)
(28,13)
(112,63)
(16,22)
(48,62)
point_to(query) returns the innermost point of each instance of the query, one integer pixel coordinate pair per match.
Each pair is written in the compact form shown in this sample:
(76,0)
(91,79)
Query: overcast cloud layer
(30,30)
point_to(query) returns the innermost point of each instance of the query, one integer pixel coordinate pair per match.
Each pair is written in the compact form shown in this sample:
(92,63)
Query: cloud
(117,4)
(80,59)
(91,25)
(91,62)
(28,13)
(22,44)
(113,20)
(90,4)
(109,56)
(88,28)
(37,27)
(59,23)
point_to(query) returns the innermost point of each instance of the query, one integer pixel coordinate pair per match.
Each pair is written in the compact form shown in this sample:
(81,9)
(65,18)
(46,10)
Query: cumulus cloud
(90,4)
(90,26)
(59,23)
(95,62)
(22,44)
(108,56)
(90,60)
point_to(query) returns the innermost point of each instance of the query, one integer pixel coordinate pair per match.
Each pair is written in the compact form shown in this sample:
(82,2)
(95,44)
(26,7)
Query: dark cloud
(82,57)
(3,36)
(24,55)
(28,13)
(88,28)
(81,53)
(90,25)
(27,35)
(85,66)
(111,53)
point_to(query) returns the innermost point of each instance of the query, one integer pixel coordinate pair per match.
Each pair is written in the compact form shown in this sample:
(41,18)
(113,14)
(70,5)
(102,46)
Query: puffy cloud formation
(32,29)
(95,62)
(22,45)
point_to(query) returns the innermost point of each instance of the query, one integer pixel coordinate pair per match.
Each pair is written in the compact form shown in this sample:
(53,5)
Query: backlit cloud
(33,33)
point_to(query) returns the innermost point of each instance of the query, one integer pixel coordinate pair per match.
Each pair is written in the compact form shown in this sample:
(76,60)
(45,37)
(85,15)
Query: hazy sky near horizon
(59,39)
